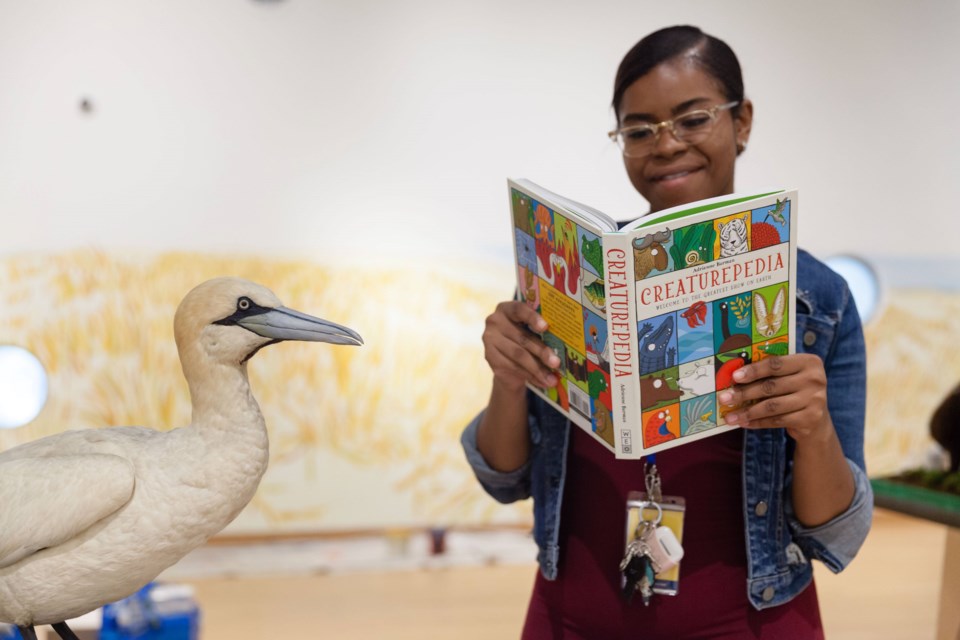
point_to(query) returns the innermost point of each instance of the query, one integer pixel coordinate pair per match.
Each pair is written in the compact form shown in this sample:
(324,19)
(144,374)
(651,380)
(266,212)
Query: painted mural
(367,438)
(360,439)
(913,361)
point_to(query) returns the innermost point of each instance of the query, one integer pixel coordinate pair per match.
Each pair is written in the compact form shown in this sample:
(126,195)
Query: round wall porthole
(863,282)
(23,386)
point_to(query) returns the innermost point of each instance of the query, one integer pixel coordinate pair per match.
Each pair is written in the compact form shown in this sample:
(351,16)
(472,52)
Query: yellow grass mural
(913,361)
(366,438)
(360,438)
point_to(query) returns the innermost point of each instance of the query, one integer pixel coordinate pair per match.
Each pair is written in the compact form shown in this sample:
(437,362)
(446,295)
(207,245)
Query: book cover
(650,321)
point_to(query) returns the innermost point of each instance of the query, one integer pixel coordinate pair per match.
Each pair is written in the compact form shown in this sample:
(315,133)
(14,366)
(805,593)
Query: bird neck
(229,434)
(222,400)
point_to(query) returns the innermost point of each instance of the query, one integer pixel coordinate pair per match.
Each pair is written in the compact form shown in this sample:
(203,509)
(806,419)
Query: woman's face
(675,172)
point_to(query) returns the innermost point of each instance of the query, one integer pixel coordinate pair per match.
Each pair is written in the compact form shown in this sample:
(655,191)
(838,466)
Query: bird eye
(243,304)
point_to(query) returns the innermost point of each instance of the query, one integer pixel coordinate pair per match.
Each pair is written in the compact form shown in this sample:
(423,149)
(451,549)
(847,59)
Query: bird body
(90,516)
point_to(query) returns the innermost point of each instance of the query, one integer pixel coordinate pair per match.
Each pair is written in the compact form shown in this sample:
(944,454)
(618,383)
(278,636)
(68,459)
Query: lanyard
(651,478)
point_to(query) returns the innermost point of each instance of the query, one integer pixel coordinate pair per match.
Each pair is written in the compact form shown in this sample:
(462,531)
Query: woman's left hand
(788,392)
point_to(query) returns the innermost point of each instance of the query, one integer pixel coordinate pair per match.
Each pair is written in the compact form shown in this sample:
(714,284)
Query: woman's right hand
(516,355)
(514,351)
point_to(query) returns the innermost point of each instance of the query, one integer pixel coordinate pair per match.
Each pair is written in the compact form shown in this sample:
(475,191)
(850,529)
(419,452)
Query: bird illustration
(90,516)
(777,212)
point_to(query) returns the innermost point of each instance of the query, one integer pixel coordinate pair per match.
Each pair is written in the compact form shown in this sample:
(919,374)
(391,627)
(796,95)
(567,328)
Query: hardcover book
(651,318)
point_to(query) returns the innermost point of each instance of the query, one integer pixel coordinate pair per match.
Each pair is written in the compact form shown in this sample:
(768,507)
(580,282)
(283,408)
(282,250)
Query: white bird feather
(90,516)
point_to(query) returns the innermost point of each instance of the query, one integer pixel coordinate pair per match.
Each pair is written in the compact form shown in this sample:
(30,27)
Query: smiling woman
(23,387)
(761,502)
(697,117)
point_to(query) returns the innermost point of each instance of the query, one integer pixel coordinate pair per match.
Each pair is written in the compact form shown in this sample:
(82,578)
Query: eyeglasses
(637,141)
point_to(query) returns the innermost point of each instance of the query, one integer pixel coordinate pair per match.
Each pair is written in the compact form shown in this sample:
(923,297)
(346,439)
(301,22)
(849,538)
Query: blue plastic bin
(156,612)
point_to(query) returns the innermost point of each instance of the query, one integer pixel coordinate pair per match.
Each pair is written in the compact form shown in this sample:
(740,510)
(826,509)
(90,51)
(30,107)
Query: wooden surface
(948,623)
(936,506)
(892,591)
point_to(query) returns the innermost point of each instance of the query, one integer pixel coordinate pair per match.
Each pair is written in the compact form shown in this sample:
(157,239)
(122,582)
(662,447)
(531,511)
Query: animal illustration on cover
(560,271)
(689,354)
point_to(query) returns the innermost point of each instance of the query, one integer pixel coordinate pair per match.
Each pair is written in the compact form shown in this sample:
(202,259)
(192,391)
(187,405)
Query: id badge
(673,509)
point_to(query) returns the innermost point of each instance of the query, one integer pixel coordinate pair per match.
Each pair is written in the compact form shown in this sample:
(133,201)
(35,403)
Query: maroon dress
(584,601)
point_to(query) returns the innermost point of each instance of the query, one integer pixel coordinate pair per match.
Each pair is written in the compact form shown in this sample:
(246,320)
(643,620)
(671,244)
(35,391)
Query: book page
(589,216)
(694,208)
(560,274)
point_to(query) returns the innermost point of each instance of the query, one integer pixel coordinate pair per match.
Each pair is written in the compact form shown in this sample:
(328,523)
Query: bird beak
(281,323)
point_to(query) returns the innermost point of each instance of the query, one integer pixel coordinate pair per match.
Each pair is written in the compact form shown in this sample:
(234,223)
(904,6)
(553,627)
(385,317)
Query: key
(646,582)
(647,536)
(633,568)
(636,566)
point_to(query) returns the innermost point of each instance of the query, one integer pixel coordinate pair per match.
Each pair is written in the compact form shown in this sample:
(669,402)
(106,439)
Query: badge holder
(667,515)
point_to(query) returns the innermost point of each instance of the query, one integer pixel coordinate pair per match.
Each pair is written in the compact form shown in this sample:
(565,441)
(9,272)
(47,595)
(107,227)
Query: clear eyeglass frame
(638,140)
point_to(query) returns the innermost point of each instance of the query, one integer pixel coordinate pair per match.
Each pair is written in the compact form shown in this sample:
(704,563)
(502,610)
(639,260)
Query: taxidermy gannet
(88,517)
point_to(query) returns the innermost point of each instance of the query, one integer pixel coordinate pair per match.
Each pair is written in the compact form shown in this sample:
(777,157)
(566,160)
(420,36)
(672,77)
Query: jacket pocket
(815,334)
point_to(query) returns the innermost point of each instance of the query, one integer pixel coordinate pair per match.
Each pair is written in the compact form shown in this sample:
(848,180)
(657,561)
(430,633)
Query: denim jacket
(778,546)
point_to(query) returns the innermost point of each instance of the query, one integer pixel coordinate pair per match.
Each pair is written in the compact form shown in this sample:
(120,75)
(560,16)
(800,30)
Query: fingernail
(731,418)
(739,375)
(725,397)
(551,381)
(541,325)
(554,361)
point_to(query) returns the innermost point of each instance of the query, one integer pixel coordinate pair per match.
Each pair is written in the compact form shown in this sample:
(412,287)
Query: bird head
(227,320)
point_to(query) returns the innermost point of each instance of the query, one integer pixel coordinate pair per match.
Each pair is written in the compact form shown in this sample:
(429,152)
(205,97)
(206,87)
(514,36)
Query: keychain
(653,549)
(642,561)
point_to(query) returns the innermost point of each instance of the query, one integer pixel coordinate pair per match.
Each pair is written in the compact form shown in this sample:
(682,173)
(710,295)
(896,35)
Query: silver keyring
(649,503)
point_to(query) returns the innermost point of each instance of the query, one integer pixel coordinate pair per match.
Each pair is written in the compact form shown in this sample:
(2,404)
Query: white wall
(289,126)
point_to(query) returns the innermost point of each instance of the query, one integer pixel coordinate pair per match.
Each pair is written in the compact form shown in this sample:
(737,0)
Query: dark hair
(712,54)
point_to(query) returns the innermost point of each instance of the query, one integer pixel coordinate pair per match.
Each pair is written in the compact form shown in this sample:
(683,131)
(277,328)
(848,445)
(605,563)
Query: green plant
(693,245)
(932,479)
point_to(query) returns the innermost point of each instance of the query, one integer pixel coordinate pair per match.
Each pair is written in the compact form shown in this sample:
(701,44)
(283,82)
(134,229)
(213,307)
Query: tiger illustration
(733,237)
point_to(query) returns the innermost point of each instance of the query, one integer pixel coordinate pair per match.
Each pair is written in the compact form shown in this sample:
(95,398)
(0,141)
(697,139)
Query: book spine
(622,344)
